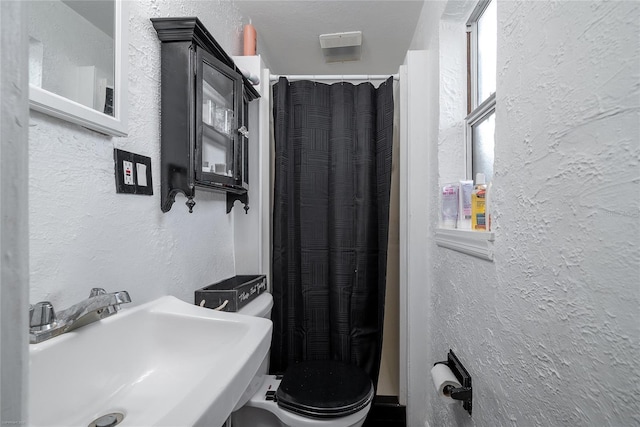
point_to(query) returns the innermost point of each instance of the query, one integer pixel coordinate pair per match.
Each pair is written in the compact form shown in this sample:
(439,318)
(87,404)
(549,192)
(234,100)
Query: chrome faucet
(45,323)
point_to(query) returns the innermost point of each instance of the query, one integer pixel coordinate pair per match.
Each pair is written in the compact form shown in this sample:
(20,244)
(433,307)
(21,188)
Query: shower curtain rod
(275,77)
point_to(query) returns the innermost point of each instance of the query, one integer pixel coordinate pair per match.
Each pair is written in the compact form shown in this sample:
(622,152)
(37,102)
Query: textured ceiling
(288,33)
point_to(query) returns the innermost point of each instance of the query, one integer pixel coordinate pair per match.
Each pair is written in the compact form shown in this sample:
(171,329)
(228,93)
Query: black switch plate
(131,177)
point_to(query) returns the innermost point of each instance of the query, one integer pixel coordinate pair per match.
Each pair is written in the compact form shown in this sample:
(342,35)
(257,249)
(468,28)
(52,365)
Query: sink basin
(164,363)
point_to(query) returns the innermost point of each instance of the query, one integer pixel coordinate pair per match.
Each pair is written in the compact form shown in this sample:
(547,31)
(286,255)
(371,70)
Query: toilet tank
(259,307)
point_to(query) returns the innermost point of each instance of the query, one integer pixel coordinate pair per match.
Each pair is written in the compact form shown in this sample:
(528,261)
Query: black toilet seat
(324,389)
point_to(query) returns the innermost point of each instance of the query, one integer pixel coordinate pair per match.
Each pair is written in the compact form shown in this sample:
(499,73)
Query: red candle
(249,40)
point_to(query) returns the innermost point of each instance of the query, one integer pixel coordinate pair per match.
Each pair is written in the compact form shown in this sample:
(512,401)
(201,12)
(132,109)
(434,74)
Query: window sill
(474,243)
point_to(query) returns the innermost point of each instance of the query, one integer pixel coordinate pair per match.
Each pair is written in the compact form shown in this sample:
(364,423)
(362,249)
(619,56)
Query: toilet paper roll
(442,377)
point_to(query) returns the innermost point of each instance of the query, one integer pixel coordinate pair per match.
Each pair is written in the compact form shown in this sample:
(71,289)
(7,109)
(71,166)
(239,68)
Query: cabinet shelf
(216,135)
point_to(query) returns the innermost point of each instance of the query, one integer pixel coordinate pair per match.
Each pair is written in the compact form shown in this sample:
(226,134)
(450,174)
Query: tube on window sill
(449,205)
(464,217)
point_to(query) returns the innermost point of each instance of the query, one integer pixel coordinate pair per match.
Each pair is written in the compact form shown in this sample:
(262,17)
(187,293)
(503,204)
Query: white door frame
(14,233)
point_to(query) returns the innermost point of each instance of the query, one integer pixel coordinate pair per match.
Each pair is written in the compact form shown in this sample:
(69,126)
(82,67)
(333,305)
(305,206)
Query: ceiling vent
(340,47)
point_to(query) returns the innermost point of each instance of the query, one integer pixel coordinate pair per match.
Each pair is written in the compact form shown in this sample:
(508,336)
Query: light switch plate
(133,173)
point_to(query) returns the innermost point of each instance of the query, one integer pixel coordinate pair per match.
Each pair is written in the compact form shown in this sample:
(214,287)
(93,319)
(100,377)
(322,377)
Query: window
(481,88)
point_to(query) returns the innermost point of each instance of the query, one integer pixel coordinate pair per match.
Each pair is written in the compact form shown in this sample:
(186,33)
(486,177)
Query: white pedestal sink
(164,363)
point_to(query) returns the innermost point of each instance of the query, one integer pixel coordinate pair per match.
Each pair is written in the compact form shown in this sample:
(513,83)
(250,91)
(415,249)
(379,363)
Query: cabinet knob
(243,131)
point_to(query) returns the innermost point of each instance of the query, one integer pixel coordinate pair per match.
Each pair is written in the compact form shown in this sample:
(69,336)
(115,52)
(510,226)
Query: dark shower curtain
(330,221)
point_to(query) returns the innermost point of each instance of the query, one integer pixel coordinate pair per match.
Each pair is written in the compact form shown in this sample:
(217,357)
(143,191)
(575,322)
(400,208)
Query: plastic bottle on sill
(478,206)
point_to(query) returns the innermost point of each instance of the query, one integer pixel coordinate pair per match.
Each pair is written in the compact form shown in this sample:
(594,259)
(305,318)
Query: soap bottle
(478,204)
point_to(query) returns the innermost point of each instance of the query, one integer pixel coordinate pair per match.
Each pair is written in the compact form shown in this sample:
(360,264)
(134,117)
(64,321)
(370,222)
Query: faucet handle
(42,316)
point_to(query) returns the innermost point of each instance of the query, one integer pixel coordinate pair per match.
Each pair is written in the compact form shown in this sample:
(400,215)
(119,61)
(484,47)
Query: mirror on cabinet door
(78,62)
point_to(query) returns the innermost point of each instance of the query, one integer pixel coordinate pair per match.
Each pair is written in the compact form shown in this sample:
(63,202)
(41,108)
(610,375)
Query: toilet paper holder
(463,393)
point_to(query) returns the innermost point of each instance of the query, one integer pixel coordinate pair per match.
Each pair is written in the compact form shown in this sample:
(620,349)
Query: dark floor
(386,412)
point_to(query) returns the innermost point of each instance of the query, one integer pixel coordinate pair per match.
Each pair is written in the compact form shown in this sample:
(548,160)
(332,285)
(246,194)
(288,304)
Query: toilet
(309,394)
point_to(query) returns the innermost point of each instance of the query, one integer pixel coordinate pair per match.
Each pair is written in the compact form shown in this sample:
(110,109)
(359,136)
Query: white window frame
(476,113)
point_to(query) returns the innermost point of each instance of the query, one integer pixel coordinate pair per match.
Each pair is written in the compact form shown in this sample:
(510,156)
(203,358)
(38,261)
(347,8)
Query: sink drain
(108,420)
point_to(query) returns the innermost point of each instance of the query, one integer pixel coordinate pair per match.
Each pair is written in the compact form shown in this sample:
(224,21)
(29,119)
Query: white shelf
(474,243)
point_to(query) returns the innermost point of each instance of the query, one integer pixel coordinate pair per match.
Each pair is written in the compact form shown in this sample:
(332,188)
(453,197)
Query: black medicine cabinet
(204,115)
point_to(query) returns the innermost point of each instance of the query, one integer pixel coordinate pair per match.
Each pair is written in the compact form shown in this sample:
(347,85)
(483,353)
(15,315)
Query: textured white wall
(549,330)
(83,234)
(453,94)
